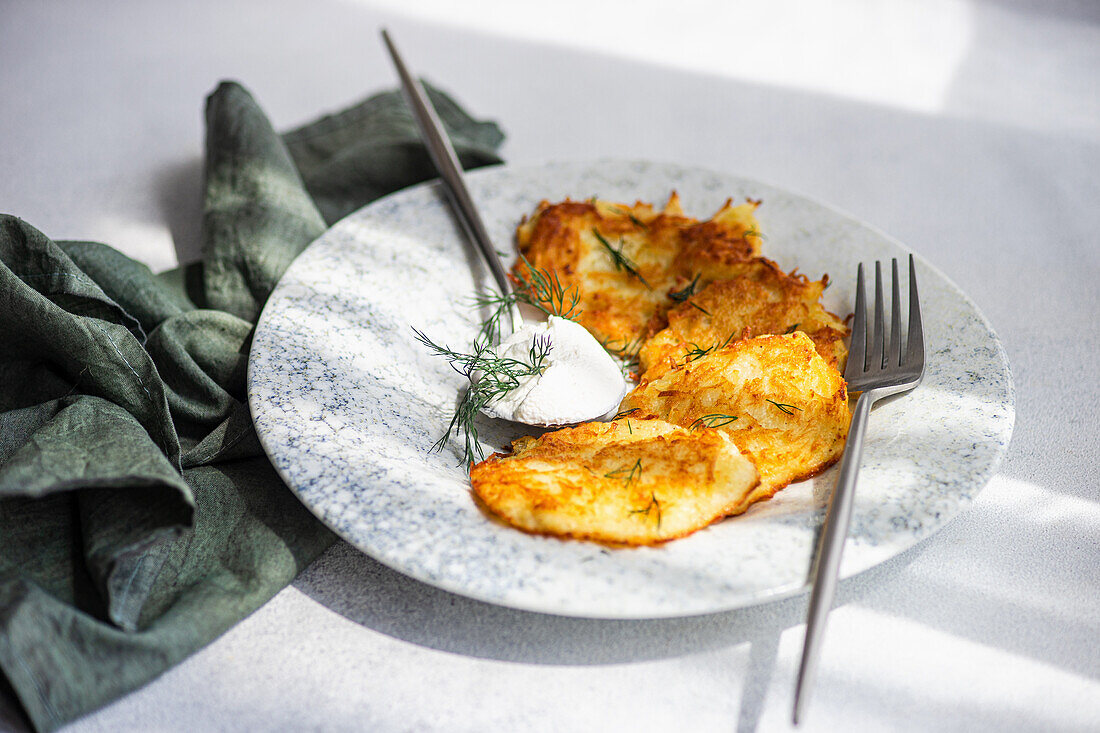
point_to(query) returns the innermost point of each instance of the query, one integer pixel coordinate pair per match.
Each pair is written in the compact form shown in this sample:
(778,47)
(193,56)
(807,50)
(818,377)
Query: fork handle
(829,551)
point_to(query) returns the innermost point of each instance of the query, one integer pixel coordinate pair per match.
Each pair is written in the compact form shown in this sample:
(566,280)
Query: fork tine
(876,359)
(914,351)
(858,351)
(893,354)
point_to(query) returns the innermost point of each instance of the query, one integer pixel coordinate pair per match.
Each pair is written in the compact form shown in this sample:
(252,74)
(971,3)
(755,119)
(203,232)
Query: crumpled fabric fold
(139,517)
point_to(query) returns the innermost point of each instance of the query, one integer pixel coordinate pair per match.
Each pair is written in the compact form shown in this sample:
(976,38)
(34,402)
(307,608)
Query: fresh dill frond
(630,215)
(789,409)
(543,290)
(629,353)
(620,260)
(629,474)
(713,420)
(792,329)
(653,504)
(490,332)
(624,413)
(686,292)
(698,352)
(536,287)
(681,296)
(752,232)
(491,376)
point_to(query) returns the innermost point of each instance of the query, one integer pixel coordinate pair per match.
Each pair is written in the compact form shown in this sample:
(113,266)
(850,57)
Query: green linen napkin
(139,518)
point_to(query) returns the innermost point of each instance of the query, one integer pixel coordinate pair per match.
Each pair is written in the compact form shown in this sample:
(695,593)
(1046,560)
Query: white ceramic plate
(347,405)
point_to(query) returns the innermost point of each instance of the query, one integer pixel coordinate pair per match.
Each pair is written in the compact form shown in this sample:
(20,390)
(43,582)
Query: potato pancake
(762,302)
(629,481)
(623,260)
(740,392)
(775,396)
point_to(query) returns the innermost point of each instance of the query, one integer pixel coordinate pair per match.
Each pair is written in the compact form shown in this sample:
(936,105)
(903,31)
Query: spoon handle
(450,171)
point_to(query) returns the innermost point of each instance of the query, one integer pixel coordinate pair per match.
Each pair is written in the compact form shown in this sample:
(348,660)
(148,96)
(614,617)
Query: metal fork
(875,370)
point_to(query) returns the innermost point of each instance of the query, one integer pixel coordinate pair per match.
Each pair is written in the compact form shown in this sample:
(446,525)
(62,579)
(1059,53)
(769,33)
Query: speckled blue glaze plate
(347,405)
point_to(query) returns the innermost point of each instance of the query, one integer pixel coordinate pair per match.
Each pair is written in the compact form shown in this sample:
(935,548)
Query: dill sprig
(536,287)
(630,215)
(491,376)
(789,409)
(792,329)
(653,504)
(629,353)
(698,352)
(543,290)
(688,290)
(624,413)
(683,295)
(629,474)
(620,260)
(713,420)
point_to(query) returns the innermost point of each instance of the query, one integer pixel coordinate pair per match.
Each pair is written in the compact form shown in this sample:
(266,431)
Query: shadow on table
(180,191)
(372,595)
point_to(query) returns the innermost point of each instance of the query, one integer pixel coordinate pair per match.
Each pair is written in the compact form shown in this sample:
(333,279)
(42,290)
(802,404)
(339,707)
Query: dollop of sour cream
(580,382)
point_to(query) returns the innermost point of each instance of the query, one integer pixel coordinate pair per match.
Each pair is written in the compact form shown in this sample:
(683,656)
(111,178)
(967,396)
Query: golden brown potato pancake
(775,396)
(629,481)
(624,260)
(740,392)
(762,301)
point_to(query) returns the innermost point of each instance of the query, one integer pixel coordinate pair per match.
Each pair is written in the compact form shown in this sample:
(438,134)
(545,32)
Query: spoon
(581,382)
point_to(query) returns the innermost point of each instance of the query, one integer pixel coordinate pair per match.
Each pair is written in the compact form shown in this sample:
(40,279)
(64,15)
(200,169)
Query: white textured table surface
(969,130)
